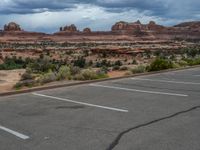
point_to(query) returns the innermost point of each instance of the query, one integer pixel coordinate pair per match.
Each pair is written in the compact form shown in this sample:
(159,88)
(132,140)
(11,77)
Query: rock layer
(127,31)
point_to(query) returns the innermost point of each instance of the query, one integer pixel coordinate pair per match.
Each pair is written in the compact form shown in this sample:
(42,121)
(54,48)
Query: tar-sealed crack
(120,135)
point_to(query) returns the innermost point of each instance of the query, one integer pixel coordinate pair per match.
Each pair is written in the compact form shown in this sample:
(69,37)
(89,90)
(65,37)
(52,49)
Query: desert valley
(127,48)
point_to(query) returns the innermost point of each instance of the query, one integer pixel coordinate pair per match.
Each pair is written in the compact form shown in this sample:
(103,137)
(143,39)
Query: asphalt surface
(154,112)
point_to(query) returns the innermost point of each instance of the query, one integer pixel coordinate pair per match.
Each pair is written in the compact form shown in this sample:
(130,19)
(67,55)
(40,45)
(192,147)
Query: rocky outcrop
(12,26)
(120,31)
(153,26)
(72,28)
(125,26)
(135,27)
(87,30)
(193,24)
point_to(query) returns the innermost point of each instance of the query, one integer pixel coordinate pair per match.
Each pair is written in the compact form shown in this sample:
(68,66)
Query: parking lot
(153,112)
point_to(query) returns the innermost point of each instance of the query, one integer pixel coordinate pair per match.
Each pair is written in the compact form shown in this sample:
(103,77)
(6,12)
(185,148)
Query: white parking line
(82,103)
(166,81)
(136,90)
(17,134)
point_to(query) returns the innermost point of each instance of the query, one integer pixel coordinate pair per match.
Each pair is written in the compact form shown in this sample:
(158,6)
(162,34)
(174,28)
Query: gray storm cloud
(165,11)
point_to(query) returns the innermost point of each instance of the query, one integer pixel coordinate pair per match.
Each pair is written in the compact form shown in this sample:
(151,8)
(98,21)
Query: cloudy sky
(49,15)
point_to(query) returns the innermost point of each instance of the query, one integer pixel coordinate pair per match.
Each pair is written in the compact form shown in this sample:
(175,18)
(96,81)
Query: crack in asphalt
(120,135)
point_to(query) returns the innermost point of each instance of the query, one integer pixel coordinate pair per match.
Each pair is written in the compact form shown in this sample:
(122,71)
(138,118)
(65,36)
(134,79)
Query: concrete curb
(91,81)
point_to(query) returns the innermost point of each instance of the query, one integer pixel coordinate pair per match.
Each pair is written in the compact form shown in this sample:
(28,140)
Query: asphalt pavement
(152,112)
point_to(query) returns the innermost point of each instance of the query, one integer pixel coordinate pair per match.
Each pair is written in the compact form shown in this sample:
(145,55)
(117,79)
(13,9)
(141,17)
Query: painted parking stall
(106,115)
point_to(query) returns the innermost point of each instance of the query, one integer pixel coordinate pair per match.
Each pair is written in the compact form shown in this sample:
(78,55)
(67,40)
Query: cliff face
(125,27)
(187,30)
(193,24)
(119,31)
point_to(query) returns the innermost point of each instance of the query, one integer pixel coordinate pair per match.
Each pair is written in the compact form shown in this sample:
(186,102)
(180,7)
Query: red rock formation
(87,30)
(72,28)
(136,27)
(192,24)
(125,27)
(153,26)
(120,31)
(12,26)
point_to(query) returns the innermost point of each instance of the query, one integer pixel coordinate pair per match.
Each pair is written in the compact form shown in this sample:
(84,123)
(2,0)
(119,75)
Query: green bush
(118,63)
(12,63)
(134,62)
(192,62)
(80,62)
(64,73)
(160,64)
(183,63)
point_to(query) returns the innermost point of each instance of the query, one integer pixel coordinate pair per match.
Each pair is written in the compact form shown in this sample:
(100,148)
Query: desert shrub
(128,73)
(64,73)
(80,62)
(160,64)
(103,63)
(139,69)
(90,63)
(74,70)
(102,73)
(42,65)
(79,77)
(192,51)
(183,63)
(118,63)
(116,67)
(25,83)
(104,69)
(134,61)
(191,62)
(12,63)
(47,77)
(89,74)
(176,65)
(123,68)
(27,75)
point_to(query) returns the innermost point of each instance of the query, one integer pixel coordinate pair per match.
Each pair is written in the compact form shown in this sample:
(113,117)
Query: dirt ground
(113,74)
(8,78)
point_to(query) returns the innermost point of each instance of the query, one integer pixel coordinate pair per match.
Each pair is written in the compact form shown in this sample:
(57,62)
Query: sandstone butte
(119,31)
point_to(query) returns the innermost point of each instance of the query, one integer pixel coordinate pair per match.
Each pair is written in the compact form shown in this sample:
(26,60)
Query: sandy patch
(113,74)
(8,78)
